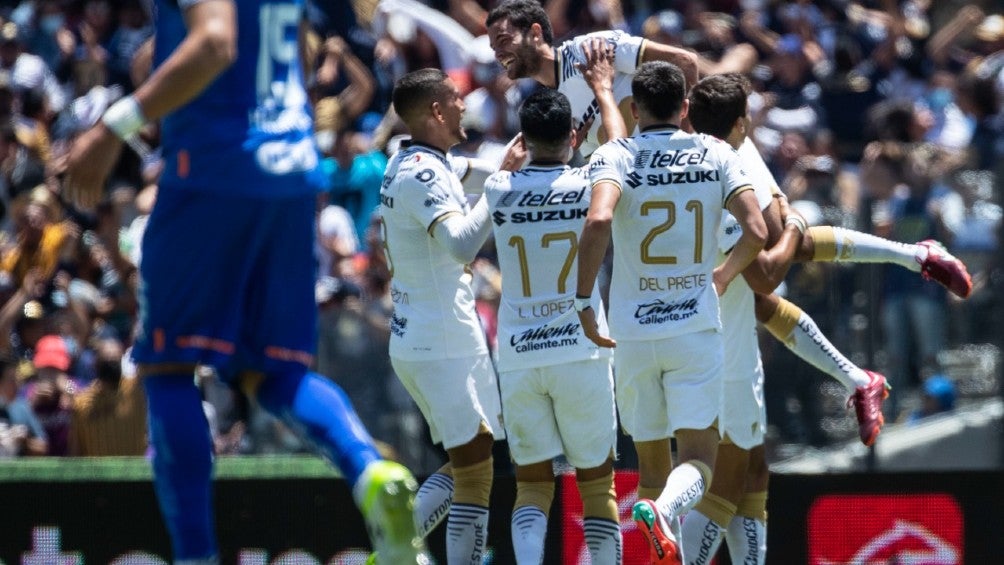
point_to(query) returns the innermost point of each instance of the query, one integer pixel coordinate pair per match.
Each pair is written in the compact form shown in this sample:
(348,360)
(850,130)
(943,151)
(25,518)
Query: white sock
(812,346)
(466,534)
(747,540)
(432,502)
(859,247)
(603,538)
(700,538)
(529,528)
(684,488)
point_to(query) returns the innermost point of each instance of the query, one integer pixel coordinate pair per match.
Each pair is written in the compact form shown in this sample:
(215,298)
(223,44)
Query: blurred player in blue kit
(227,276)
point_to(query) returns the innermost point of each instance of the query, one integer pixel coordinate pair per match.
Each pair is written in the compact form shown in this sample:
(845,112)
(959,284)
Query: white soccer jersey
(674,186)
(434,315)
(538,213)
(763,184)
(628,50)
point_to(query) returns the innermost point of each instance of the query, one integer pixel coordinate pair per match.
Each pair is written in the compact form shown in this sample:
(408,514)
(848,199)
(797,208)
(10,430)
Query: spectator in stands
(914,315)
(51,391)
(21,433)
(343,87)
(109,415)
(355,171)
(28,71)
(41,238)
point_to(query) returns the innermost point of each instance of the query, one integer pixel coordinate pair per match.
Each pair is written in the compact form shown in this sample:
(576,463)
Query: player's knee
(472,484)
(753,505)
(599,499)
(539,494)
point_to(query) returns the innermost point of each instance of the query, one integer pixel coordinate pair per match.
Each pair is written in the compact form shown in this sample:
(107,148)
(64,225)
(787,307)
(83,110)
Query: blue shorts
(229,282)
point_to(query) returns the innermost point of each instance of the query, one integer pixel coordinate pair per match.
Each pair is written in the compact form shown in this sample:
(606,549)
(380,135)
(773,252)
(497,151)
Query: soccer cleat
(662,543)
(387,503)
(945,269)
(867,402)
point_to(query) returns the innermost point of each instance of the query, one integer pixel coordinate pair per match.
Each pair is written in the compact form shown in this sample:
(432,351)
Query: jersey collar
(409,144)
(660,128)
(545,165)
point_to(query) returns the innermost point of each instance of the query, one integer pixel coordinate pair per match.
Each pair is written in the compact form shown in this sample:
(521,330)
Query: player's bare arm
(771,265)
(207,50)
(686,60)
(592,247)
(744,206)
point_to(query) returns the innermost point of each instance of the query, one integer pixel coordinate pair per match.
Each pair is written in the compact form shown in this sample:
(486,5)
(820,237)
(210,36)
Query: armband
(124,117)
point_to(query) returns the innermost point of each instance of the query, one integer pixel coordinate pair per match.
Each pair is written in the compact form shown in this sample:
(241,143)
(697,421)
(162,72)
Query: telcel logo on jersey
(676,158)
(660,311)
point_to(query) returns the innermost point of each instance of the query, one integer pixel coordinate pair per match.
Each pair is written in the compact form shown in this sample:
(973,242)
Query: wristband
(582,304)
(799,223)
(124,117)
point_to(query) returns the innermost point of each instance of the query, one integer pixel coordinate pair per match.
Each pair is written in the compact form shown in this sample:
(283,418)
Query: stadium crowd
(883,116)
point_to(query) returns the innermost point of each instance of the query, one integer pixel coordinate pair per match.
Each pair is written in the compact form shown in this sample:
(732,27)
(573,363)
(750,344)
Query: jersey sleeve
(495,185)
(764,183)
(460,165)
(604,166)
(733,177)
(430,195)
(628,50)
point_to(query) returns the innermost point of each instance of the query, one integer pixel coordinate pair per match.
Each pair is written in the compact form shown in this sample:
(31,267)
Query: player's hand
(515,155)
(92,157)
(598,70)
(587,318)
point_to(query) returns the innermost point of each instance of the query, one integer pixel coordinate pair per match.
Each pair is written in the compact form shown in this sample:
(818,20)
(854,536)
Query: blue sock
(310,402)
(182,463)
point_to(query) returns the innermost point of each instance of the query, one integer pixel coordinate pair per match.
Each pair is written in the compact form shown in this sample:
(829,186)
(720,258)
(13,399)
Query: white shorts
(560,409)
(669,384)
(743,414)
(455,396)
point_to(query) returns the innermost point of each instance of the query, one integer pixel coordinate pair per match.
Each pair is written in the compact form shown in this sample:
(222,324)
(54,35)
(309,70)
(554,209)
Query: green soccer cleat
(387,503)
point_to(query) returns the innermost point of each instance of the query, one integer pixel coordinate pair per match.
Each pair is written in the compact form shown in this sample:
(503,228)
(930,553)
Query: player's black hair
(522,14)
(546,119)
(716,102)
(416,90)
(658,88)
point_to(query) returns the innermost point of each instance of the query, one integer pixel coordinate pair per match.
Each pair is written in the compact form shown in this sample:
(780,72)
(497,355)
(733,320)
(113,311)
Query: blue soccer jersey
(249,131)
(228,269)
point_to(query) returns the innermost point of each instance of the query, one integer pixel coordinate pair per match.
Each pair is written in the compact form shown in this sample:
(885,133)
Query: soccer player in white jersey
(661,195)
(736,501)
(556,385)
(520,33)
(437,346)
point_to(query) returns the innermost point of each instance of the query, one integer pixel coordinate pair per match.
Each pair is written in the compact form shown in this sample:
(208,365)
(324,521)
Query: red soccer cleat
(867,402)
(945,269)
(662,544)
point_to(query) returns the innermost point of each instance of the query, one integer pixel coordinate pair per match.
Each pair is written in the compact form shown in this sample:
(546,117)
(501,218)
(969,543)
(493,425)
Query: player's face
(514,49)
(452,108)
